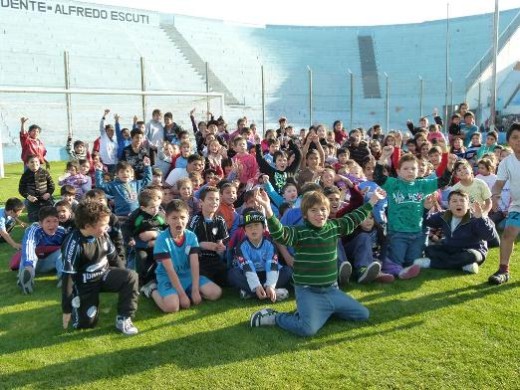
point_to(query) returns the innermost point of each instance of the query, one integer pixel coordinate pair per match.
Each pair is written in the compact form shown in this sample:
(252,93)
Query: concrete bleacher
(175,48)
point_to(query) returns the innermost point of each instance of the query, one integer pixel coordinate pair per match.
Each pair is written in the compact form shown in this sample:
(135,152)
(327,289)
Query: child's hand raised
(98,166)
(452,159)
(106,112)
(388,150)
(476,210)
(146,161)
(117,117)
(377,195)
(23,120)
(192,111)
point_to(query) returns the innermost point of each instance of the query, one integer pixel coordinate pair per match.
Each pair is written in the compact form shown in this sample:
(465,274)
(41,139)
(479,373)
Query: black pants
(145,265)
(122,281)
(214,269)
(448,257)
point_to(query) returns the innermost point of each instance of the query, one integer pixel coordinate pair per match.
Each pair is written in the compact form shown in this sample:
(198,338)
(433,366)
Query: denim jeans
(404,248)
(359,250)
(314,307)
(47,264)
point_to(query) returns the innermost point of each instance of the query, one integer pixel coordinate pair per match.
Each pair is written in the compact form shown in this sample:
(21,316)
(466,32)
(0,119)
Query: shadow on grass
(393,309)
(200,350)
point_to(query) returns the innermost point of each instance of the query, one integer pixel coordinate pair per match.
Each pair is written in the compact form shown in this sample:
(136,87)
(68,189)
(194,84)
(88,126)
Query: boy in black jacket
(36,186)
(90,266)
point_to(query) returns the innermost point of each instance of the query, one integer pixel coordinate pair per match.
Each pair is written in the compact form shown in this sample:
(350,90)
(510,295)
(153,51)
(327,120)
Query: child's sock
(504,268)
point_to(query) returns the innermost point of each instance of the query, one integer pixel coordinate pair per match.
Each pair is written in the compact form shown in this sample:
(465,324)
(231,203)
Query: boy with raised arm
(315,265)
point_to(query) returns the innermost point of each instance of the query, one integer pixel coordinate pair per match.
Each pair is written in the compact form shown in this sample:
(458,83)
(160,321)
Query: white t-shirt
(509,169)
(489,179)
(478,191)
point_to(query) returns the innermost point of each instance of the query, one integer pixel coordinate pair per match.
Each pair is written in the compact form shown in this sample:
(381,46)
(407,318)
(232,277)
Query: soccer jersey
(211,230)
(179,253)
(34,237)
(88,258)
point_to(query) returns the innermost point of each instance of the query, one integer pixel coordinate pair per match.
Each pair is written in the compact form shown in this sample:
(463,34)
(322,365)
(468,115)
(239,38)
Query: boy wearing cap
(256,270)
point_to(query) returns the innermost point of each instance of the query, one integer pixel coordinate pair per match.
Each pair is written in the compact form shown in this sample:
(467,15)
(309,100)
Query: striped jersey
(316,258)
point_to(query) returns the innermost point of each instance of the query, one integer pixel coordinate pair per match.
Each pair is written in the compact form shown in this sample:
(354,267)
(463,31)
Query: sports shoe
(423,262)
(149,288)
(244,294)
(369,274)
(281,294)
(263,317)
(26,281)
(345,270)
(410,272)
(384,278)
(125,325)
(471,268)
(499,278)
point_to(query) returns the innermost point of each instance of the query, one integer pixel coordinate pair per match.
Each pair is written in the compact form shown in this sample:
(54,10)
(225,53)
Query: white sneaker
(423,262)
(263,317)
(149,288)
(26,281)
(125,325)
(471,268)
(281,294)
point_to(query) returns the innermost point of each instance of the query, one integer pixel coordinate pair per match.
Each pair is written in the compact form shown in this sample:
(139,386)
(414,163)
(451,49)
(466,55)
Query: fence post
(387,103)
(67,95)
(143,88)
(351,99)
(310,95)
(263,101)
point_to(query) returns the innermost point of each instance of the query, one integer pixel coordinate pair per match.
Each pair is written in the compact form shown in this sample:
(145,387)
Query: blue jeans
(404,248)
(359,250)
(47,264)
(314,307)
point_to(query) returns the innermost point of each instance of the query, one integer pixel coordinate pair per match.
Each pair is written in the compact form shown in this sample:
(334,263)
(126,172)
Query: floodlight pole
(263,100)
(351,99)
(310,95)
(493,102)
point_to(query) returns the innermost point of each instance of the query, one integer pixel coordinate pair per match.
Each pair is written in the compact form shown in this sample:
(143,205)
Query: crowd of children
(149,211)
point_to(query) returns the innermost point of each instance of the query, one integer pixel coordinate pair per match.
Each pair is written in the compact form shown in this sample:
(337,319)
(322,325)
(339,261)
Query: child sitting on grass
(124,188)
(315,265)
(177,253)
(465,235)
(256,269)
(92,265)
(8,219)
(41,248)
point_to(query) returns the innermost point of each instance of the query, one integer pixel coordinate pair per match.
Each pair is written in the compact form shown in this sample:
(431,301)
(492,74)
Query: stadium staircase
(369,74)
(215,84)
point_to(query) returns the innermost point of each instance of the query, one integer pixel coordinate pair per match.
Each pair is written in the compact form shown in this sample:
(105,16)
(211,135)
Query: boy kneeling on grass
(315,264)
(91,265)
(177,252)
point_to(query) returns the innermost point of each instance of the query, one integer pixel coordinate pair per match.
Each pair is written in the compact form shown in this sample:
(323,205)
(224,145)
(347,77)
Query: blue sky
(321,13)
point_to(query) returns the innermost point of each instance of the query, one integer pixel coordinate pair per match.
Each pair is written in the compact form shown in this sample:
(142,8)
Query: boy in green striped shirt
(315,264)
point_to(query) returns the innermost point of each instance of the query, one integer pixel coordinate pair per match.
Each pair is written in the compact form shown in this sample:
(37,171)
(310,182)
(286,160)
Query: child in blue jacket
(465,236)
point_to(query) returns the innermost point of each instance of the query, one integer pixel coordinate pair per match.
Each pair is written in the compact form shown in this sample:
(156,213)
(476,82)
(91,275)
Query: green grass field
(442,330)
